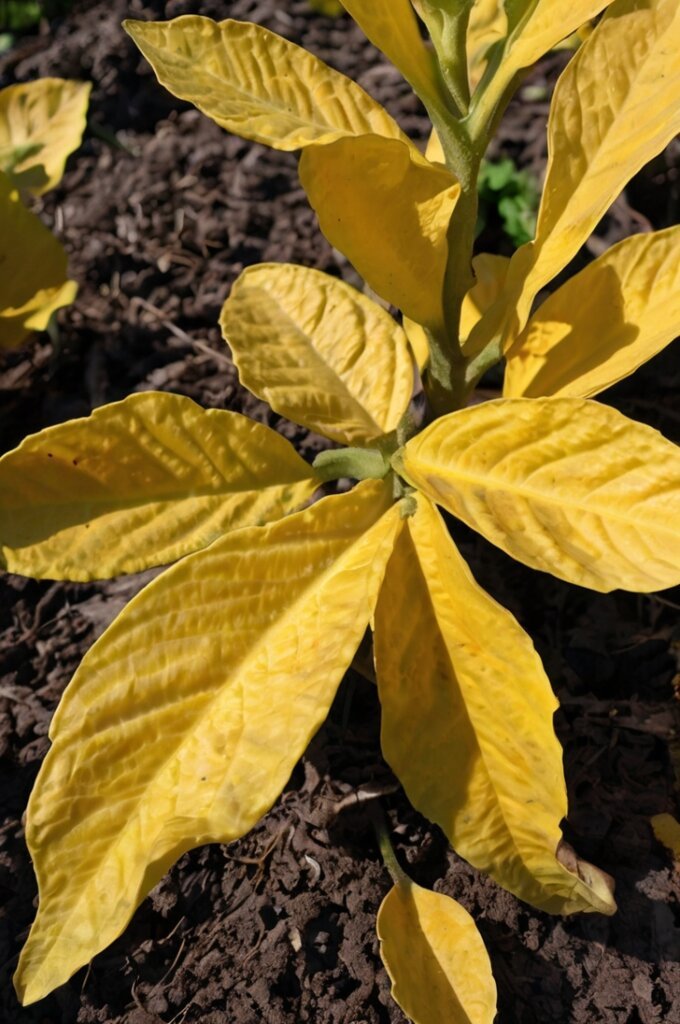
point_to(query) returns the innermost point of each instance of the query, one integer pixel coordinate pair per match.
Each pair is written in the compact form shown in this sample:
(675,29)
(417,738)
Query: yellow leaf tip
(600,885)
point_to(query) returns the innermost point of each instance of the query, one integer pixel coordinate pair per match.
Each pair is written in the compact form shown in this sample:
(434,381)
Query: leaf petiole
(355,463)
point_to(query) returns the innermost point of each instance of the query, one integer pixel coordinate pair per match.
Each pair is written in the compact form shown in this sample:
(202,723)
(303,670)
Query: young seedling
(185,719)
(41,123)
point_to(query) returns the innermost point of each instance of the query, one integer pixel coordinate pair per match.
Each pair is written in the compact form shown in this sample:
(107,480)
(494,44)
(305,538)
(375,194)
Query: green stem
(397,874)
(477,367)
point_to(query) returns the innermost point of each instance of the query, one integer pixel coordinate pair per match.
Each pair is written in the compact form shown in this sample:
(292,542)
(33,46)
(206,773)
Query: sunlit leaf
(562,484)
(140,483)
(434,151)
(41,123)
(184,721)
(490,273)
(538,25)
(597,140)
(257,84)
(603,323)
(33,271)
(667,831)
(318,351)
(392,26)
(435,957)
(467,721)
(388,210)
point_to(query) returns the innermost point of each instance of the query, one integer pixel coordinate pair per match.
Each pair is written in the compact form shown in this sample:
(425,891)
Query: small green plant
(185,719)
(510,195)
(41,123)
(19,15)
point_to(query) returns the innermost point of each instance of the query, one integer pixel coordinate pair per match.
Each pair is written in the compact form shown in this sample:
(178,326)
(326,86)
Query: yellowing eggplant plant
(41,123)
(185,719)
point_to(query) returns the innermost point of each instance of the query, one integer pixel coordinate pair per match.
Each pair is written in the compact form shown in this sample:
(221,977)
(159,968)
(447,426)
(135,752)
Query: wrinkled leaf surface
(318,351)
(140,483)
(41,123)
(256,84)
(467,721)
(564,485)
(597,139)
(184,721)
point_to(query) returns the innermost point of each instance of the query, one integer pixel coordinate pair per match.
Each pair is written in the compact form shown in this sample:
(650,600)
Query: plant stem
(397,874)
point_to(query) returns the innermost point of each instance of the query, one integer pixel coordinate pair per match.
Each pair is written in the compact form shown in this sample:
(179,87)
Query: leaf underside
(613,316)
(388,210)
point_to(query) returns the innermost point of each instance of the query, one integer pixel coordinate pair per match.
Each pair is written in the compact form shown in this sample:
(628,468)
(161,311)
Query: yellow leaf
(538,25)
(418,342)
(391,25)
(33,271)
(257,84)
(186,718)
(597,141)
(490,273)
(667,831)
(140,483)
(564,485)
(435,957)
(388,210)
(467,721)
(434,151)
(41,123)
(488,25)
(603,323)
(318,351)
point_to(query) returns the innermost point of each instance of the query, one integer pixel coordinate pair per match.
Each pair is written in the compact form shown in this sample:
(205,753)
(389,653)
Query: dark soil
(279,927)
